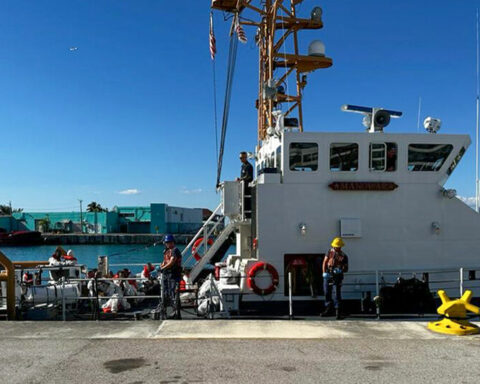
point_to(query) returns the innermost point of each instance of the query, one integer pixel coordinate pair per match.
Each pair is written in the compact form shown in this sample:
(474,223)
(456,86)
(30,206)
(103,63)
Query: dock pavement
(235,351)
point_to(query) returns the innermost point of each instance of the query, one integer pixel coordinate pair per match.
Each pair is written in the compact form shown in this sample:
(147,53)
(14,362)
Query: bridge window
(383,157)
(427,157)
(303,157)
(456,161)
(343,157)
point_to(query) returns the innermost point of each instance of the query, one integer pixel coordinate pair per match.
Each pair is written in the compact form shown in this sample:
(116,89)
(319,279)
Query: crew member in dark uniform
(246,175)
(171,268)
(335,264)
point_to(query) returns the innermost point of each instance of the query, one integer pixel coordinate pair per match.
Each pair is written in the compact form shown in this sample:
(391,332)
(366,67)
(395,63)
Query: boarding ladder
(207,230)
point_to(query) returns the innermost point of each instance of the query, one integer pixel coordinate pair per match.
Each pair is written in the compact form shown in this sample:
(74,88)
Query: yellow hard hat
(337,242)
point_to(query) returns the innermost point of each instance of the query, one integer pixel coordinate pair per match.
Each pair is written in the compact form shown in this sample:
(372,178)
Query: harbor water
(88,254)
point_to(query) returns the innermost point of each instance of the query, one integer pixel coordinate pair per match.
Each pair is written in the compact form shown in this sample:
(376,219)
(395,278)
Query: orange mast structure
(276,21)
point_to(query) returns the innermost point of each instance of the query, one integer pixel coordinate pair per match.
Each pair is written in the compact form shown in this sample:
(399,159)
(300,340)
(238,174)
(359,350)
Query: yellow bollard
(455,321)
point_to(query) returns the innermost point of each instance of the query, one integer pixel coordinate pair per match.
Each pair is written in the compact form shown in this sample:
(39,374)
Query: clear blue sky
(131,108)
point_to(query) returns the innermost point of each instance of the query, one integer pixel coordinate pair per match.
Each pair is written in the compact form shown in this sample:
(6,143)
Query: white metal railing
(205,232)
(456,276)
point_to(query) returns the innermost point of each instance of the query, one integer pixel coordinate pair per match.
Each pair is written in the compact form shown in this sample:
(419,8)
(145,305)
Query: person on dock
(335,264)
(171,269)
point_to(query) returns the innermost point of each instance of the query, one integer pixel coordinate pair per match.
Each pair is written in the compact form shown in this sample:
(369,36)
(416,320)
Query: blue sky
(131,108)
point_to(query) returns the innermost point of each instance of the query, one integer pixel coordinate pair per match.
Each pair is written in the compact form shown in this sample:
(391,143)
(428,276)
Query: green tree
(95,207)
(7,210)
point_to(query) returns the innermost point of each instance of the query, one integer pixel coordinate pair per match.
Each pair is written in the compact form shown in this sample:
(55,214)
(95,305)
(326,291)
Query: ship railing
(356,284)
(206,231)
(359,285)
(63,301)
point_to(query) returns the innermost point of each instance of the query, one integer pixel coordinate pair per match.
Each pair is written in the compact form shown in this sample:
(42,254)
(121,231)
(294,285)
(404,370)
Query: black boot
(327,312)
(338,314)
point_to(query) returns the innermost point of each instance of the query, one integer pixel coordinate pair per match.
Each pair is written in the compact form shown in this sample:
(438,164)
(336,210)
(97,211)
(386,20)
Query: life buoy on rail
(258,267)
(197,244)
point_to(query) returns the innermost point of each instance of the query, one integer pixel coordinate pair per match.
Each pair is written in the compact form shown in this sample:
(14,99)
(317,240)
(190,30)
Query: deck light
(316,14)
(303,229)
(449,193)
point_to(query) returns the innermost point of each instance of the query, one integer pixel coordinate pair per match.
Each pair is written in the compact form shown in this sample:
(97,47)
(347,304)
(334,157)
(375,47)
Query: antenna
(277,21)
(476,126)
(419,112)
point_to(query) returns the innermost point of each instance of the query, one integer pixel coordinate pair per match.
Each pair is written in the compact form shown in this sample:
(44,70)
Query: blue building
(155,218)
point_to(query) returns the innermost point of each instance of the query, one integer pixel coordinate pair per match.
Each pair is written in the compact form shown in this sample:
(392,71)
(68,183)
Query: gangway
(215,251)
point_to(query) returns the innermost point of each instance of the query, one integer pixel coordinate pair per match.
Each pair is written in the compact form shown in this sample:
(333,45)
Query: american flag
(242,37)
(212,40)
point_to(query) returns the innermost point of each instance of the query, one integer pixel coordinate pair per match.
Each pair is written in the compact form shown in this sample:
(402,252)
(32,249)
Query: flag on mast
(212,40)
(242,37)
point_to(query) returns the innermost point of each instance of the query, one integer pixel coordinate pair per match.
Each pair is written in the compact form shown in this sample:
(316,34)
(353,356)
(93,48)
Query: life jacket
(69,258)
(146,271)
(131,282)
(168,254)
(336,259)
(28,278)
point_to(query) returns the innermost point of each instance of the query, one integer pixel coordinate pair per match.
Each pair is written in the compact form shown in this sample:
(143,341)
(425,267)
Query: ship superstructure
(382,192)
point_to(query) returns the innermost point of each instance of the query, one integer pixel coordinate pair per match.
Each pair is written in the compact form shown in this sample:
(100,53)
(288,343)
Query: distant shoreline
(110,238)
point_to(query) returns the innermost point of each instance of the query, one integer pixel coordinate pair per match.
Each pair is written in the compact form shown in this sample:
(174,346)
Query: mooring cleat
(455,320)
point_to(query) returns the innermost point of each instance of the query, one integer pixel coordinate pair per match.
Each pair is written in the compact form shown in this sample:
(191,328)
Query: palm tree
(6,210)
(95,207)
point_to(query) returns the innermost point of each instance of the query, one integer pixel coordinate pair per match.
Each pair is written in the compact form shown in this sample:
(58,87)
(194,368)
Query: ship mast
(277,22)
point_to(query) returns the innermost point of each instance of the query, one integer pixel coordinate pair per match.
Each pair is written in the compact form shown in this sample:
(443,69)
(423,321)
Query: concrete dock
(235,351)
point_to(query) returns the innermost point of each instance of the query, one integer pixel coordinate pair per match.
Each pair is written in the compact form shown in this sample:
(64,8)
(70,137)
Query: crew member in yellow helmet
(335,264)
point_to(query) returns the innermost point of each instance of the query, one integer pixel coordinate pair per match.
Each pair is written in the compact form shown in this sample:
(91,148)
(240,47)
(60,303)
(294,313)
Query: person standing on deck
(246,175)
(335,264)
(246,172)
(171,268)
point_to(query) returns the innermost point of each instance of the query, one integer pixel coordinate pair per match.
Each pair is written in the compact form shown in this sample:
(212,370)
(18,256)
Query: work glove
(326,275)
(337,271)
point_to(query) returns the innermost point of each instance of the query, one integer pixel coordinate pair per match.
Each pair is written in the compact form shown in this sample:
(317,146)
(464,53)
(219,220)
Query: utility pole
(81,216)
(11,215)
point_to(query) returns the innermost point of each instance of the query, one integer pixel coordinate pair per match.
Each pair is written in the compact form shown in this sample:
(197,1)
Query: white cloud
(470,201)
(193,191)
(132,191)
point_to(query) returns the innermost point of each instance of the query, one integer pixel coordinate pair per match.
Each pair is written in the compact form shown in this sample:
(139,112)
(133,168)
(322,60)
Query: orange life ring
(252,272)
(197,244)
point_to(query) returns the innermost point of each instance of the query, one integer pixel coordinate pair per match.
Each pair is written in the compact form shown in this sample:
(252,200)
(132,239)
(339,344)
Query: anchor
(455,321)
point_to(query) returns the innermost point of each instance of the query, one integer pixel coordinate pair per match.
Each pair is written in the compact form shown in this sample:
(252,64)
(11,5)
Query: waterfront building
(155,218)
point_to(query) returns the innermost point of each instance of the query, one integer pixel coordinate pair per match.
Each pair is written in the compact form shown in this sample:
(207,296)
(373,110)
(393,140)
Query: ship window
(427,157)
(303,157)
(343,157)
(383,157)
(456,161)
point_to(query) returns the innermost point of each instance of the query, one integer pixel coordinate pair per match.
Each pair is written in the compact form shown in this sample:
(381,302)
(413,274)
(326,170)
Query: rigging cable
(232,55)
(214,91)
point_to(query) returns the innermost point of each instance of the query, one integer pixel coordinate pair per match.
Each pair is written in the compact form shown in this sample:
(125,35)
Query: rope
(215,107)
(232,56)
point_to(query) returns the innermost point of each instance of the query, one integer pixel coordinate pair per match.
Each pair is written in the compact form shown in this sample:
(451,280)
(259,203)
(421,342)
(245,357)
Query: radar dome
(316,48)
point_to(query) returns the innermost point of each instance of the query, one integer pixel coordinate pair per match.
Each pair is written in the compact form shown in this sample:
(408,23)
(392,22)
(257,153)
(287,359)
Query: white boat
(381,192)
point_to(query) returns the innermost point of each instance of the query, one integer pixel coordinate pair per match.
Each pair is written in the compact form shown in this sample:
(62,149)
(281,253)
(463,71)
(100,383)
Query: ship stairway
(212,253)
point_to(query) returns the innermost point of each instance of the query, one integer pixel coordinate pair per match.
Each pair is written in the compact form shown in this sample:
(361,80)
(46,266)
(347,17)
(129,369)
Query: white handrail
(207,236)
(200,232)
